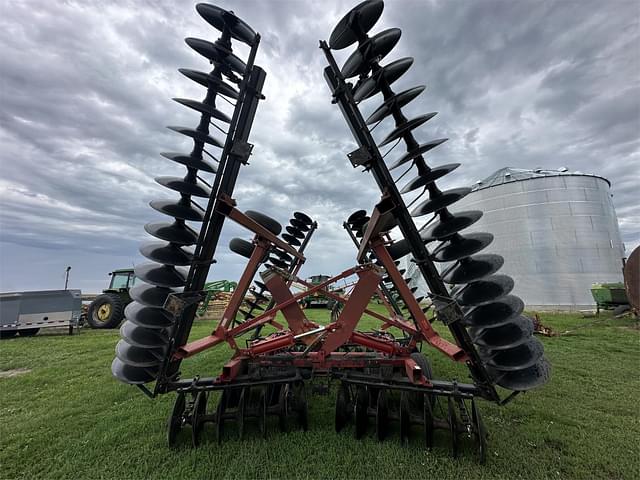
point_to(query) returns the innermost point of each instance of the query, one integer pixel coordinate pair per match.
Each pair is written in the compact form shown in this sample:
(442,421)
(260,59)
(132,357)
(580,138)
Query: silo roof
(510,174)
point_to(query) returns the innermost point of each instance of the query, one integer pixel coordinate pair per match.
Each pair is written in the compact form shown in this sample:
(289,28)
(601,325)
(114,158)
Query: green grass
(68,418)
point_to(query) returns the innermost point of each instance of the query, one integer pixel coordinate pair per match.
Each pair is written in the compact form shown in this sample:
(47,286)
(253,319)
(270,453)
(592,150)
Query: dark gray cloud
(85,93)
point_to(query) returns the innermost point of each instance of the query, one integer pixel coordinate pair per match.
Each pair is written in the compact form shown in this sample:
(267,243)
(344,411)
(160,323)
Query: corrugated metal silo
(557,231)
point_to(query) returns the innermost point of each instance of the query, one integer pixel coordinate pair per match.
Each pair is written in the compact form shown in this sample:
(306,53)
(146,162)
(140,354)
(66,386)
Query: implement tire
(106,311)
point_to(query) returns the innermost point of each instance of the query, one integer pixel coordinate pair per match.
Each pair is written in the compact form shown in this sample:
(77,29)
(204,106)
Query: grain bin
(557,231)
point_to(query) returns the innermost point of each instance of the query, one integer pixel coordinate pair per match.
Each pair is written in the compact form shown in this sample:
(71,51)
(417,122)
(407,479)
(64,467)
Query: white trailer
(25,313)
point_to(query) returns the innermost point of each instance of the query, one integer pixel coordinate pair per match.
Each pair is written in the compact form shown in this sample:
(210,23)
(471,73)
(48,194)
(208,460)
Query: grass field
(63,416)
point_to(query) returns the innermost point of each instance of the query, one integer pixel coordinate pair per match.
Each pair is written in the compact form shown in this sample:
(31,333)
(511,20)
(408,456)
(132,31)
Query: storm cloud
(85,92)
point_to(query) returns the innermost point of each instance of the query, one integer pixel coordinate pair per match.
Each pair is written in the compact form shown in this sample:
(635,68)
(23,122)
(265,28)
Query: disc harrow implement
(382,377)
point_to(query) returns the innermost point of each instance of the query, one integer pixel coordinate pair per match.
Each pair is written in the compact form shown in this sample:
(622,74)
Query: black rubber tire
(425,365)
(117,311)
(6,334)
(267,222)
(241,247)
(28,332)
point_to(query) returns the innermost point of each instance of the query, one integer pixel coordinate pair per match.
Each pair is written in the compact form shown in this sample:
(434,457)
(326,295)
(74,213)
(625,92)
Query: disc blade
(453,224)
(358,21)
(197,135)
(132,375)
(161,275)
(219,18)
(166,253)
(407,126)
(203,108)
(210,81)
(461,246)
(150,295)
(375,48)
(148,317)
(283,256)
(442,200)
(385,76)
(295,232)
(278,263)
(291,240)
(486,290)
(516,358)
(303,217)
(177,233)
(299,225)
(217,54)
(511,334)
(495,313)
(191,162)
(527,378)
(473,268)
(427,177)
(144,337)
(399,249)
(138,356)
(396,102)
(196,189)
(177,210)
(356,216)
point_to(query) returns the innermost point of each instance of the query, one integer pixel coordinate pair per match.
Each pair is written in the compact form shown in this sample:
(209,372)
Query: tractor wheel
(4,334)
(106,311)
(28,332)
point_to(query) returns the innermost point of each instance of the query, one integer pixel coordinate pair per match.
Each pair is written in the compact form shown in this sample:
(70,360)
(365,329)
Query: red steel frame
(328,338)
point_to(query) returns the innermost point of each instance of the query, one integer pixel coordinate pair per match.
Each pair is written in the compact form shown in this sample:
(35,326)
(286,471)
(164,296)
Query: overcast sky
(85,93)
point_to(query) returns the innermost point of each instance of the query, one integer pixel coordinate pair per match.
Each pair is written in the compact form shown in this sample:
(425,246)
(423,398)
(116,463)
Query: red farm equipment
(381,377)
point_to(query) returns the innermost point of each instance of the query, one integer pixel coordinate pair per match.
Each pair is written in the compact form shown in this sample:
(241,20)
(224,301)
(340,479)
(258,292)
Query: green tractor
(107,310)
(319,299)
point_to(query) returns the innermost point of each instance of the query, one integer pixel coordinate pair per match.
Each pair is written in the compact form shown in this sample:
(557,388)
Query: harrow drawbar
(382,379)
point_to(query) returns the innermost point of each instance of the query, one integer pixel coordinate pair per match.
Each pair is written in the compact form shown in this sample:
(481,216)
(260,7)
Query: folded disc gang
(295,232)
(144,337)
(299,225)
(426,178)
(359,20)
(177,210)
(519,357)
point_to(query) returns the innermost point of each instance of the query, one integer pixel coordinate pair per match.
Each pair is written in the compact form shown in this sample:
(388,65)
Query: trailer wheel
(4,334)
(106,311)
(28,332)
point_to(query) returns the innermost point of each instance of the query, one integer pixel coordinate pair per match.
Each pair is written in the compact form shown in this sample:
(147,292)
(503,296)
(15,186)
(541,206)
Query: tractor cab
(121,281)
